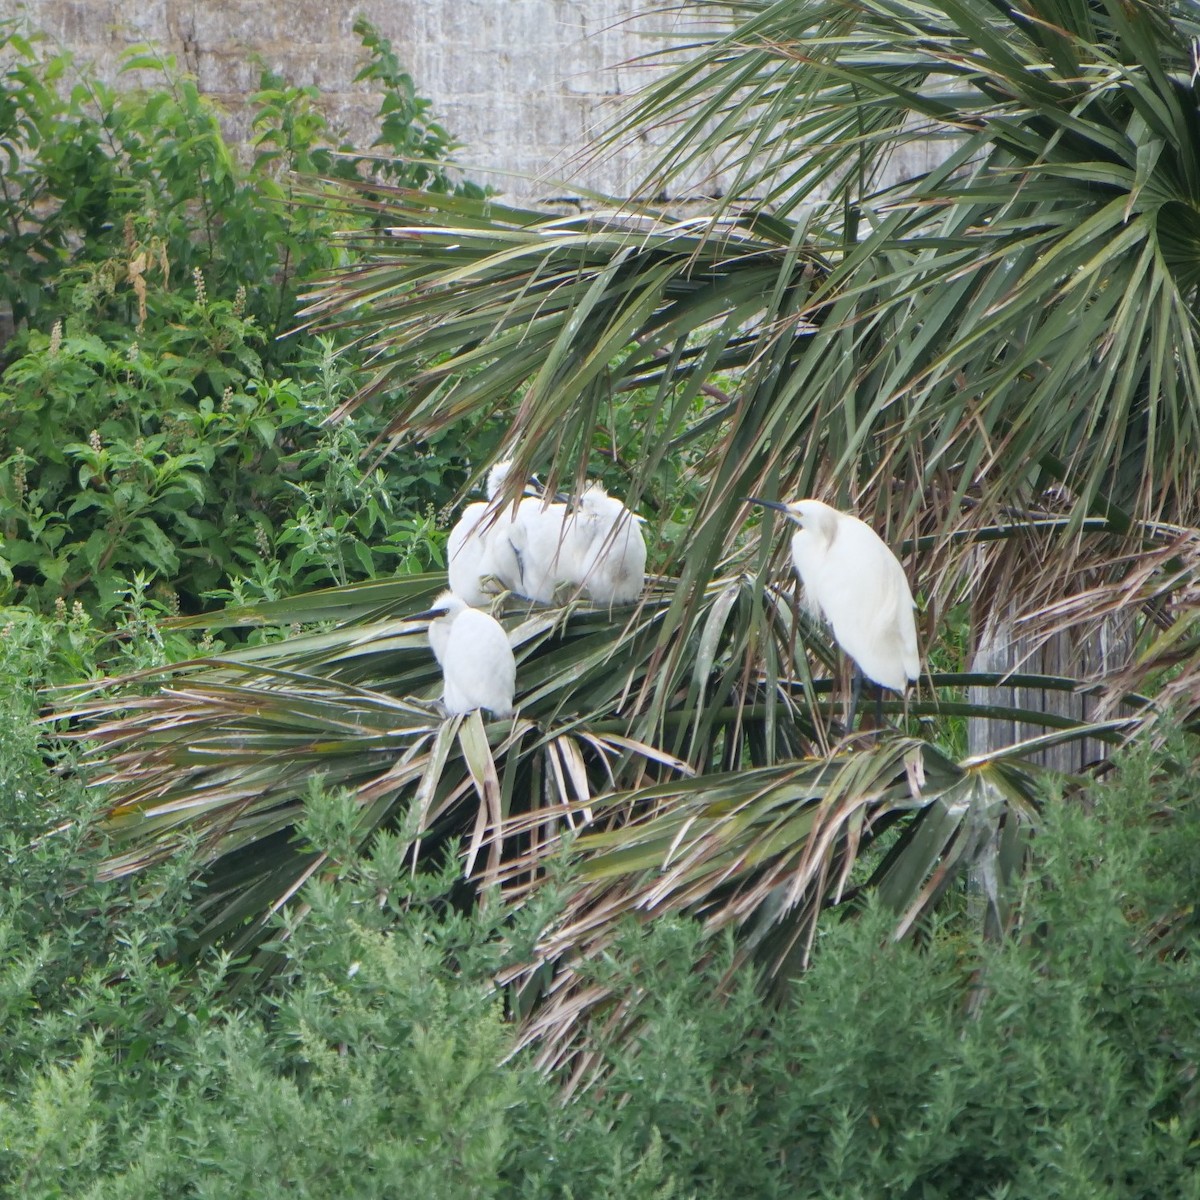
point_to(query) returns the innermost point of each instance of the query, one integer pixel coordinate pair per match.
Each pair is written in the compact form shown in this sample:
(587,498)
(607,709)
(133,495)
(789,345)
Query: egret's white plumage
(480,544)
(536,544)
(467,555)
(478,668)
(857,584)
(610,553)
(544,538)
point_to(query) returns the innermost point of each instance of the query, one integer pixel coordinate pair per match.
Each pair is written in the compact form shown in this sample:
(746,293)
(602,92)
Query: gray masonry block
(521,83)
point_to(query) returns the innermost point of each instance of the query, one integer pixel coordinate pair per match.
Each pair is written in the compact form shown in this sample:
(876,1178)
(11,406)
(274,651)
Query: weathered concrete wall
(522,83)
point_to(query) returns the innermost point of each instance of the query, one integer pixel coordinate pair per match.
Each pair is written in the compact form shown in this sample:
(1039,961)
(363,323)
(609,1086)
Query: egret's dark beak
(766,503)
(430,614)
(536,483)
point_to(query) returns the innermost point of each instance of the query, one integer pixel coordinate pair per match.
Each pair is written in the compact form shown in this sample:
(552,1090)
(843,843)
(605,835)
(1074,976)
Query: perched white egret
(544,541)
(857,584)
(535,545)
(610,552)
(478,668)
(479,545)
(466,555)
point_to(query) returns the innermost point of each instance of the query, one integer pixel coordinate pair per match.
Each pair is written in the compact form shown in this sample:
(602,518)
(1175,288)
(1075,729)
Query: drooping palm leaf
(222,753)
(1011,328)
(765,851)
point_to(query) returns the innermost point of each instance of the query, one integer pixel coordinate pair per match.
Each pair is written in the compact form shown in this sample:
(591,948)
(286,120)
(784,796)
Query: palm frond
(1012,328)
(765,852)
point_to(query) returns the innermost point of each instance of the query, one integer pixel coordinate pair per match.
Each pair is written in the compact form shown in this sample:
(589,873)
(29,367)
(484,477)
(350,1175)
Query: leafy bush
(153,417)
(123,461)
(1058,1063)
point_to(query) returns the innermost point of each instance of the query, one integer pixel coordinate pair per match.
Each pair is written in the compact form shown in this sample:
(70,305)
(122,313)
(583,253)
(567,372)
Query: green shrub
(121,460)
(153,417)
(1058,1063)
(1061,1063)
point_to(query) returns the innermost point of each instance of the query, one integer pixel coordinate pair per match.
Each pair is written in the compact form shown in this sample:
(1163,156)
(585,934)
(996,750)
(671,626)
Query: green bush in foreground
(1060,1063)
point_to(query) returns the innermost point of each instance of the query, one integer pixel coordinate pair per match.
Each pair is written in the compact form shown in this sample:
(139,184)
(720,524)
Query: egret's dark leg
(878,707)
(856,683)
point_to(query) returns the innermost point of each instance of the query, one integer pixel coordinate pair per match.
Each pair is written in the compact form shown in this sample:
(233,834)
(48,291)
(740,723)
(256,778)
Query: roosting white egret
(597,545)
(543,539)
(857,584)
(537,544)
(611,558)
(480,546)
(467,553)
(478,668)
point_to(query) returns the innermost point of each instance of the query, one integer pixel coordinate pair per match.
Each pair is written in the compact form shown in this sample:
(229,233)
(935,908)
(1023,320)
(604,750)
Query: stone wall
(522,83)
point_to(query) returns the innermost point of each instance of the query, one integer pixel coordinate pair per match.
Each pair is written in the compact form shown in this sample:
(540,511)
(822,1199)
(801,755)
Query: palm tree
(999,351)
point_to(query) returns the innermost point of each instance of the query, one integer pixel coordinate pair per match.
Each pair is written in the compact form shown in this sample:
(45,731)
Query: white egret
(478,668)
(466,555)
(597,546)
(544,540)
(857,584)
(537,544)
(479,545)
(610,553)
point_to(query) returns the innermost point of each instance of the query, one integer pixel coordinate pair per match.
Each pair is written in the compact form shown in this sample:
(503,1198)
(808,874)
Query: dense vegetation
(163,426)
(273,957)
(1056,1063)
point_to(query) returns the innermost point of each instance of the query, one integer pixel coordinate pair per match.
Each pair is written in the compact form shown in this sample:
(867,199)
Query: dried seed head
(55,338)
(19,480)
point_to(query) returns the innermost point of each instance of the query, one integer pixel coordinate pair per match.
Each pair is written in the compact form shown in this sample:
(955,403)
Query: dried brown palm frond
(222,754)
(765,851)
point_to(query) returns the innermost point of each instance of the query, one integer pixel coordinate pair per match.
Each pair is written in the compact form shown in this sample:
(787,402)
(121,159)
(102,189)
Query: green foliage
(417,148)
(94,171)
(153,419)
(176,456)
(1055,1064)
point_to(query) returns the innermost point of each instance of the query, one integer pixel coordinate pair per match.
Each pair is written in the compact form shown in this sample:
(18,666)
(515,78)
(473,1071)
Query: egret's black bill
(430,614)
(535,487)
(766,503)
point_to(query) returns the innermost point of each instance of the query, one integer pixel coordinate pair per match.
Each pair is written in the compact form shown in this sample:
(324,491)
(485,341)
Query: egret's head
(599,509)
(812,515)
(497,477)
(446,605)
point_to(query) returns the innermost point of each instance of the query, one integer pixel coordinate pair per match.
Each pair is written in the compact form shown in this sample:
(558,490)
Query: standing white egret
(857,584)
(478,668)
(610,561)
